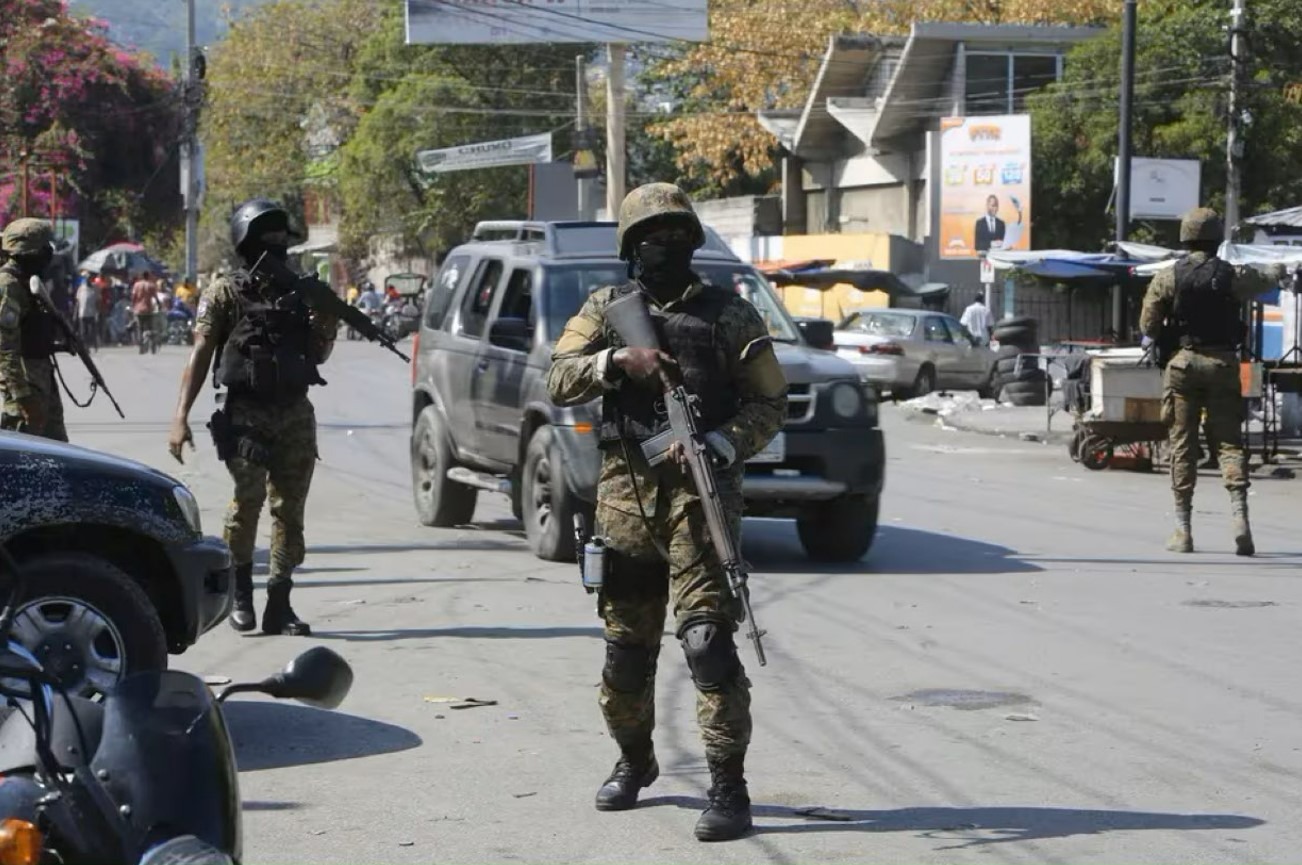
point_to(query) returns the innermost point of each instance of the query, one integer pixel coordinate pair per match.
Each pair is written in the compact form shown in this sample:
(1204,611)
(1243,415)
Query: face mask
(667,266)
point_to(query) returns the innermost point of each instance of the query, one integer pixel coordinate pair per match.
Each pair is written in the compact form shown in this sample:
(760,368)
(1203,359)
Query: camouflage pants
(1196,382)
(284,437)
(40,378)
(639,586)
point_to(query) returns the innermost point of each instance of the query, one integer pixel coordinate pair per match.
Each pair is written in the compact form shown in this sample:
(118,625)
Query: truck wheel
(87,622)
(546,501)
(841,530)
(440,501)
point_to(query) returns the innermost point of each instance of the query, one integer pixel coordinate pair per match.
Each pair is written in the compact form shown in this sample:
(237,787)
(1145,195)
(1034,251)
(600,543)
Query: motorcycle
(147,776)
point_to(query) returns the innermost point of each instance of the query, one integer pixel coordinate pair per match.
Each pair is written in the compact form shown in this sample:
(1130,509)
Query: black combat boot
(728,814)
(279,617)
(634,770)
(243,616)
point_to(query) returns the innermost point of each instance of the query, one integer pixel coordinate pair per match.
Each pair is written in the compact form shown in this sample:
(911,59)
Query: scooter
(146,776)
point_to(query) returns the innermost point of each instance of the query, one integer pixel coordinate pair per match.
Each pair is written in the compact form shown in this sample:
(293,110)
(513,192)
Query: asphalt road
(1149,708)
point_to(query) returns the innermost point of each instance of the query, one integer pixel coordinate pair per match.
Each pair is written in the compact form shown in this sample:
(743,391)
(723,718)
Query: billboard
(499,21)
(1162,188)
(531,149)
(985,189)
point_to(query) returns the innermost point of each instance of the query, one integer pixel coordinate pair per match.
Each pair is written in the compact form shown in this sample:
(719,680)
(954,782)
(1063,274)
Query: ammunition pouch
(630,578)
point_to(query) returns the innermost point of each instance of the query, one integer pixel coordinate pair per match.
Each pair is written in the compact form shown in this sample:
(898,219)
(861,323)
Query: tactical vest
(689,334)
(39,335)
(1206,312)
(268,354)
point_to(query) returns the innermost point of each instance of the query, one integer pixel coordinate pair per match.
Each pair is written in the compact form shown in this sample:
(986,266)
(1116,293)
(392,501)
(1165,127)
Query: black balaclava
(665,269)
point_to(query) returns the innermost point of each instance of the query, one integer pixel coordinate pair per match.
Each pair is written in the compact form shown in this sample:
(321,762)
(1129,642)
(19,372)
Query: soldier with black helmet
(268,345)
(651,517)
(29,334)
(1194,312)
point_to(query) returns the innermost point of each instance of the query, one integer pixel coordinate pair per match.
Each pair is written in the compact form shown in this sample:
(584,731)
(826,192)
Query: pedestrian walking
(977,319)
(88,309)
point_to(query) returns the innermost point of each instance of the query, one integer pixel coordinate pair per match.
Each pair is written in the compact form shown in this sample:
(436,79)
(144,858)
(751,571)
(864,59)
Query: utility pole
(190,146)
(1124,149)
(581,133)
(615,130)
(1234,140)
(22,161)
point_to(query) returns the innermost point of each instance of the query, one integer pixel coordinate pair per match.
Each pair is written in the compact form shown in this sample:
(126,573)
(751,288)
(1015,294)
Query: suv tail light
(415,353)
(890,348)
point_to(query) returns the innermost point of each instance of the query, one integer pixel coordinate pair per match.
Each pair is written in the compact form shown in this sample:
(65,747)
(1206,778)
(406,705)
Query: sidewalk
(963,410)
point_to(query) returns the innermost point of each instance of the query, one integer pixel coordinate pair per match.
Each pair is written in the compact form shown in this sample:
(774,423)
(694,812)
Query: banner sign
(529,150)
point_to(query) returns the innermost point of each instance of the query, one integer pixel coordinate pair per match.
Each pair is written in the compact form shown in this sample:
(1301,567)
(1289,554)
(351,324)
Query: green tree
(1182,74)
(283,71)
(432,96)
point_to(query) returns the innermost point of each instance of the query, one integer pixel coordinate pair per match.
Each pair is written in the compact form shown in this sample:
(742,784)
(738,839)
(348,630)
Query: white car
(911,352)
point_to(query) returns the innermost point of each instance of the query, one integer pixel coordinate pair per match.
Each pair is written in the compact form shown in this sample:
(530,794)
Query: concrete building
(861,154)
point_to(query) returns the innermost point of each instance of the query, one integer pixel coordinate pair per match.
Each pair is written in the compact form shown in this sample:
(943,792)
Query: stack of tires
(1024,386)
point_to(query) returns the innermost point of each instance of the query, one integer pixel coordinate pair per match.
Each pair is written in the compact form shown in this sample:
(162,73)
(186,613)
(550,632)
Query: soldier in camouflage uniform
(28,334)
(1196,309)
(268,345)
(651,517)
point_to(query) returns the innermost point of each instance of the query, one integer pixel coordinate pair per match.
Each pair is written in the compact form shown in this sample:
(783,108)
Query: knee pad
(711,654)
(628,667)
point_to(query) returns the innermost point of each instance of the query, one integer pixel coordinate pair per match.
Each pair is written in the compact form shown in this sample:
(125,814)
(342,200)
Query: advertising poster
(529,150)
(985,190)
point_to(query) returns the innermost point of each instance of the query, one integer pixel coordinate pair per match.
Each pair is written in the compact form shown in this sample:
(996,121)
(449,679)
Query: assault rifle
(631,319)
(320,296)
(75,345)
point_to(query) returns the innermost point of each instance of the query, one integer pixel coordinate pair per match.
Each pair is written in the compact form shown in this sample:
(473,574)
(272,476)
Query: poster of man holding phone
(985,190)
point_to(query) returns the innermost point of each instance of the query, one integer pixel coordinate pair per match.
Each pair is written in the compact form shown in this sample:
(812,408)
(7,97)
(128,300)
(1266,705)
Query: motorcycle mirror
(318,677)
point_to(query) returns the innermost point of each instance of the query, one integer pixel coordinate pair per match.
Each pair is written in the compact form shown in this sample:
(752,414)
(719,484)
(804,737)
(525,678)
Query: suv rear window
(439,297)
(568,286)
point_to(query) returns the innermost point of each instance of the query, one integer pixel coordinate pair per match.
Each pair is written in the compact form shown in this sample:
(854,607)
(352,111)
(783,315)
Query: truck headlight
(189,507)
(847,401)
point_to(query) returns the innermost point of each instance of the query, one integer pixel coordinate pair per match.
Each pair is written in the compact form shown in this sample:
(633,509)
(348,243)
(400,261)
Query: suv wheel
(841,530)
(440,501)
(546,501)
(87,622)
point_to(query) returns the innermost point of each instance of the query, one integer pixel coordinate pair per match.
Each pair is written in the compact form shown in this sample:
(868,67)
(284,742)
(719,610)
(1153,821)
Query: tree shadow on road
(977,826)
(897,550)
(476,632)
(276,735)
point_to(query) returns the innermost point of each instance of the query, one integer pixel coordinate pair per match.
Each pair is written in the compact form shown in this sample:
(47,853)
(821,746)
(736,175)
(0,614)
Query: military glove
(722,448)
(33,412)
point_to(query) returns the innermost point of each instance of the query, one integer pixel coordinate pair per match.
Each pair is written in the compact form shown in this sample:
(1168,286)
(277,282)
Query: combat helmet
(1201,224)
(261,211)
(655,201)
(27,237)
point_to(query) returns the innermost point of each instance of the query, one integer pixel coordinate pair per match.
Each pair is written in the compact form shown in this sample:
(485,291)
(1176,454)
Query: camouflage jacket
(581,358)
(15,302)
(219,310)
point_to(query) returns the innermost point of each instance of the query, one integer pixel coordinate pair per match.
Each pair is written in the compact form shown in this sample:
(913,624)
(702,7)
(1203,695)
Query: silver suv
(481,418)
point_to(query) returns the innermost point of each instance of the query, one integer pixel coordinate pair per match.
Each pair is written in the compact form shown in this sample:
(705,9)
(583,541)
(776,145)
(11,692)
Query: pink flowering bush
(103,120)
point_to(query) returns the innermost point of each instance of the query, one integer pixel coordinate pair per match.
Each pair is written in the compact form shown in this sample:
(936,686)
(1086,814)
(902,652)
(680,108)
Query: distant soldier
(651,518)
(1194,312)
(268,346)
(29,334)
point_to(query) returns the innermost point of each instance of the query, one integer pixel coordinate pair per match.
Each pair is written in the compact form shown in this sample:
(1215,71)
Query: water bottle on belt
(592,556)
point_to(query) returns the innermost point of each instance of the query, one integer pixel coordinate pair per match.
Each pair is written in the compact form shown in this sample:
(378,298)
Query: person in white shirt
(977,319)
(370,299)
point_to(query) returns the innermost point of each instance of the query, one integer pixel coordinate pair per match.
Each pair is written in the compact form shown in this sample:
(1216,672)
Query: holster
(223,435)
